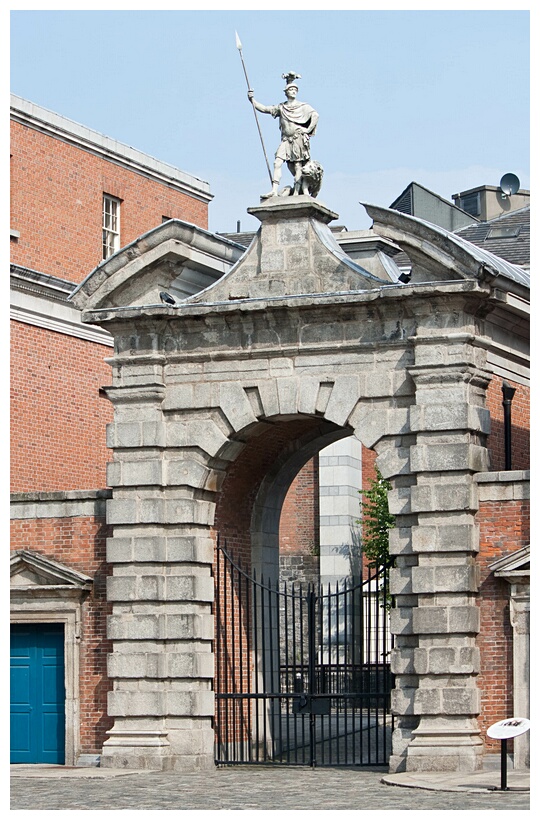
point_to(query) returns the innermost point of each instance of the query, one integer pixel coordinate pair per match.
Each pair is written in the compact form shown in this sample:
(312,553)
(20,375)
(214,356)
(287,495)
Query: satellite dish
(509,184)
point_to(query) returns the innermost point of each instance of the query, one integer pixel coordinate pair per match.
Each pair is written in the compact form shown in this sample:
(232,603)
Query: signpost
(502,730)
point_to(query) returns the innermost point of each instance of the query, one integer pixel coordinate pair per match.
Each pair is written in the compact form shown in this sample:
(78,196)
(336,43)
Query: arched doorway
(302,667)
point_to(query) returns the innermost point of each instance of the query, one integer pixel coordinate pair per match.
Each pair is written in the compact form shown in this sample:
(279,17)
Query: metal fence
(302,672)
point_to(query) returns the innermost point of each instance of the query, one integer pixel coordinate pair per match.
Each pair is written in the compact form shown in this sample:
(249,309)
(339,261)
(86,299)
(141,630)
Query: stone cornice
(59,127)
(41,300)
(303,301)
(74,503)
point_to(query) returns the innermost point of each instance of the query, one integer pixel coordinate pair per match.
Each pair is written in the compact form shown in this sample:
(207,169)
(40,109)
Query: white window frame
(110,225)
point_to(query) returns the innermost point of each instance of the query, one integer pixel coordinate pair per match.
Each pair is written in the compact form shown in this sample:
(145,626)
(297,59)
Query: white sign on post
(509,727)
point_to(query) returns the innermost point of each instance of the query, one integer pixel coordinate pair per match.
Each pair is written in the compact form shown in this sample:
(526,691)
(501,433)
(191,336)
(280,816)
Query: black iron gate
(302,673)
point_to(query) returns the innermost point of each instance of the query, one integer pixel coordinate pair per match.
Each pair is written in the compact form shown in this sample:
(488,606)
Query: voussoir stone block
(343,399)
(394,461)
(287,389)
(184,472)
(236,405)
(268,396)
(203,433)
(308,391)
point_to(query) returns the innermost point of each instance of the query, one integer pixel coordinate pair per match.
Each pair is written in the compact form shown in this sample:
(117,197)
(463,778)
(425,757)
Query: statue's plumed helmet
(290,85)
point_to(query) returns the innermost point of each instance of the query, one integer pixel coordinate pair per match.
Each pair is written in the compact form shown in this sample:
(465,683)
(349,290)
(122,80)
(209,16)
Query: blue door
(37,693)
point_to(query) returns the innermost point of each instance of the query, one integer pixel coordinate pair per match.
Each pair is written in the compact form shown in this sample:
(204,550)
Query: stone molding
(55,125)
(62,504)
(45,591)
(503,485)
(41,300)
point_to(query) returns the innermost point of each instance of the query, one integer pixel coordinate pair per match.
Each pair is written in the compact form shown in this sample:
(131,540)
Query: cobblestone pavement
(242,787)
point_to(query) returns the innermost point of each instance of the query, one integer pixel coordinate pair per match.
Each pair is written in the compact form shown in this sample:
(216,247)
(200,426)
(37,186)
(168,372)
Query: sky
(438,97)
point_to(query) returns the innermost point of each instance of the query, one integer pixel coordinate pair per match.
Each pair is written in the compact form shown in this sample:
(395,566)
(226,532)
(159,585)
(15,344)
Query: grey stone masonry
(294,332)
(294,252)
(436,660)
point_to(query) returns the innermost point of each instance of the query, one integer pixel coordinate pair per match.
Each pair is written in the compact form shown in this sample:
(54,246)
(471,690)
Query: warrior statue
(297,122)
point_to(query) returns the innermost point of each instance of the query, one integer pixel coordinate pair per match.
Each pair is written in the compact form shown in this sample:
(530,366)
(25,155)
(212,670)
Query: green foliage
(376,521)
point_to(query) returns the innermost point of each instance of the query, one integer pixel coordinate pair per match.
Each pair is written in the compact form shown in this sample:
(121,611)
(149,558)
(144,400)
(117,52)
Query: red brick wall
(56,204)
(299,522)
(368,466)
(520,425)
(58,417)
(242,482)
(79,543)
(504,528)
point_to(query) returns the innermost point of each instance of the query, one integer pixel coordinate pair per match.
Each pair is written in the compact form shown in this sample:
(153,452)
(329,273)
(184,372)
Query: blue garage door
(37,693)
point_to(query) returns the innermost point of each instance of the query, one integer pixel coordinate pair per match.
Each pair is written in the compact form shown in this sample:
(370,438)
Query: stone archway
(296,330)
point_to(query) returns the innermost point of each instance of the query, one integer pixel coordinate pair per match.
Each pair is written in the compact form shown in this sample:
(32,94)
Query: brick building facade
(61,173)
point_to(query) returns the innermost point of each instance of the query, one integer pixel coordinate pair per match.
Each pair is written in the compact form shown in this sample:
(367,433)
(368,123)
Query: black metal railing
(302,672)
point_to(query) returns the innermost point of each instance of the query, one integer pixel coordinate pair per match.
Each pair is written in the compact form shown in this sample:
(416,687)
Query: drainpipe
(508,395)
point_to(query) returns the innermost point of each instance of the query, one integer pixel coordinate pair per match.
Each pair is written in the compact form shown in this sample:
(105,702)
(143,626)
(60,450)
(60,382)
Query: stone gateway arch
(218,402)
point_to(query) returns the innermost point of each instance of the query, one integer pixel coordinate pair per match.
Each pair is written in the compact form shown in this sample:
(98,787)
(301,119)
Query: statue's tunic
(295,120)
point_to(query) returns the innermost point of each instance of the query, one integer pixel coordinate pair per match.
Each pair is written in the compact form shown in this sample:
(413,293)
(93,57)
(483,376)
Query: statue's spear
(239,47)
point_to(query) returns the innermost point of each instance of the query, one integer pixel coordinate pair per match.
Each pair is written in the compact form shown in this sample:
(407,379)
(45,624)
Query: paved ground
(244,787)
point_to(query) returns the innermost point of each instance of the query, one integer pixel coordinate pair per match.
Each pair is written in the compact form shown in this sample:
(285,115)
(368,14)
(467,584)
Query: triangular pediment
(176,257)
(514,565)
(30,570)
(438,254)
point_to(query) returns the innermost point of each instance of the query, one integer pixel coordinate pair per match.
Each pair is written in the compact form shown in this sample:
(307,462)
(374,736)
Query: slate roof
(241,237)
(513,249)
(507,236)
